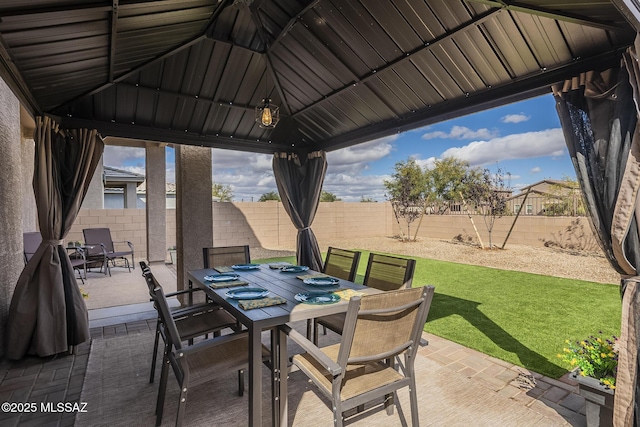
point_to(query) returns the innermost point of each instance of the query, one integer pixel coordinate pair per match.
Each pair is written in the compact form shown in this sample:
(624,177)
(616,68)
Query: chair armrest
(125,241)
(326,362)
(206,344)
(88,246)
(183,291)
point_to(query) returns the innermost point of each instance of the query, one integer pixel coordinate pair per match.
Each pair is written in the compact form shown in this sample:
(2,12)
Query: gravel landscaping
(541,260)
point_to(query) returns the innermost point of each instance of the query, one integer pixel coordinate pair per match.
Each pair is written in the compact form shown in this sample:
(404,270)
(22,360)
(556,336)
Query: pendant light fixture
(267,114)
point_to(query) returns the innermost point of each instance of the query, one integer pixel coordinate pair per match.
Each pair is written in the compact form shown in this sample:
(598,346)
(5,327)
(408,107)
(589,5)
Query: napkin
(311,275)
(346,294)
(279,265)
(223,269)
(229,284)
(248,304)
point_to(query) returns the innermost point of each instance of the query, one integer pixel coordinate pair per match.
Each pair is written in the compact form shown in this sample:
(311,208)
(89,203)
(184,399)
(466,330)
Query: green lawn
(519,317)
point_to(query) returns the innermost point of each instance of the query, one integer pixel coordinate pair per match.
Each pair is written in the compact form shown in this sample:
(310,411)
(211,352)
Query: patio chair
(31,242)
(191,321)
(340,263)
(78,260)
(225,256)
(98,243)
(383,272)
(196,364)
(360,369)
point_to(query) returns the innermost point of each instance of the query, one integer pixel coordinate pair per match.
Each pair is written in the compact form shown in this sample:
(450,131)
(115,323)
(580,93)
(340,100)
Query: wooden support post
(464,202)
(516,218)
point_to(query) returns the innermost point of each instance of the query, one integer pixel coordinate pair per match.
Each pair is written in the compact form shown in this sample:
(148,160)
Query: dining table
(276,281)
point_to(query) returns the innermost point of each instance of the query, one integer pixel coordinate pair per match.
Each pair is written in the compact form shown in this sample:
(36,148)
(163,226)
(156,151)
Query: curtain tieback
(305,228)
(53,242)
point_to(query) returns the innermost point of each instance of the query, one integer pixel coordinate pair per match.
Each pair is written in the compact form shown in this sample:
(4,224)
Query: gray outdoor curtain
(299,182)
(47,313)
(599,116)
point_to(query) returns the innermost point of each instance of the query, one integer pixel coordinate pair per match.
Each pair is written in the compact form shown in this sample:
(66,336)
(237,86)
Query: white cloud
(425,164)
(357,158)
(543,143)
(352,188)
(537,169)
(461,132)
(515,118)
(250,175)
(118,157)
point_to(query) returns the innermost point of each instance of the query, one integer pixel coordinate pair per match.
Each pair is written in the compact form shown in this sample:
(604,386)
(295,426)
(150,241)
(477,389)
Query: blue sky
(524,139)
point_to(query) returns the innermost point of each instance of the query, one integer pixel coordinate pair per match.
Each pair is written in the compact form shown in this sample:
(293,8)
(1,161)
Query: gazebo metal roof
(342,72)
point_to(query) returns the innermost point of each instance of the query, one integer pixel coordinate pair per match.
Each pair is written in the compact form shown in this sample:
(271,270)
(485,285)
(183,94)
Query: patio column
(29,209)
(95,194)
(130,196)
(194,216)
(11,200)
(156,175)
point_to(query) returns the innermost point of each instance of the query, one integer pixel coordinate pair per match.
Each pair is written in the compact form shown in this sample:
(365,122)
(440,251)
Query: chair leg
(315,332)
(413,396)
(241,382)
(162,390)
(181,405)
(389,401)
(154,356)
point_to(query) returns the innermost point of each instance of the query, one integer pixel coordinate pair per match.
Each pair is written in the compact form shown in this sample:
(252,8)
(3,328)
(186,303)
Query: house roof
(548,181)
(113,176)
(342,72)
(170,188)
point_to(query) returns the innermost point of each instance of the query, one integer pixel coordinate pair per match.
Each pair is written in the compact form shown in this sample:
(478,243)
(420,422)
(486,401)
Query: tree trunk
(464,202)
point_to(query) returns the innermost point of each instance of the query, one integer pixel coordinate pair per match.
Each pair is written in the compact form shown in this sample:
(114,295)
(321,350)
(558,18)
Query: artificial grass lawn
(521,318)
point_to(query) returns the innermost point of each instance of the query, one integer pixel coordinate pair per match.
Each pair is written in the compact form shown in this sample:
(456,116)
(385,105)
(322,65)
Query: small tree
(271,195)
(446,181)
(564,198)
(367,200)
(222,192)
(489,195)
(407,192)
(327,196)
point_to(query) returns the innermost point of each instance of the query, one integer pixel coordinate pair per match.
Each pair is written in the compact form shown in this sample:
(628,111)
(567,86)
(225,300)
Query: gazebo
(296,78)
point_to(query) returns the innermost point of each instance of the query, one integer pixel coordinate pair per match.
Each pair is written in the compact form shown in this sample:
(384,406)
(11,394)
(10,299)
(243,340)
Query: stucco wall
(267,224)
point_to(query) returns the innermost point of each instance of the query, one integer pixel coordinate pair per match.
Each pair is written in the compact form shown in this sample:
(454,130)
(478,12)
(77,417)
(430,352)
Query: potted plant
(172,254)
(595,363)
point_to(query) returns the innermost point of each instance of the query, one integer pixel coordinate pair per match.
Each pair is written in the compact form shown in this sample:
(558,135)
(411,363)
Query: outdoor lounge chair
(360,368)
(199,363)
(191,321)
(225,256)
(97,239)
(384,272)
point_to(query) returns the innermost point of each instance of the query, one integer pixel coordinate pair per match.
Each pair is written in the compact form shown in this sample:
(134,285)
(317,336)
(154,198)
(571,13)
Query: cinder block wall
(267,224)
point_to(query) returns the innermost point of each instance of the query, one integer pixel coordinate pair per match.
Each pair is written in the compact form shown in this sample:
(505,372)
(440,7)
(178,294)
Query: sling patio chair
(199,363)
(225,256)
(98,242)
(384,272)
(191,321)
(360,369)
(339,263)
